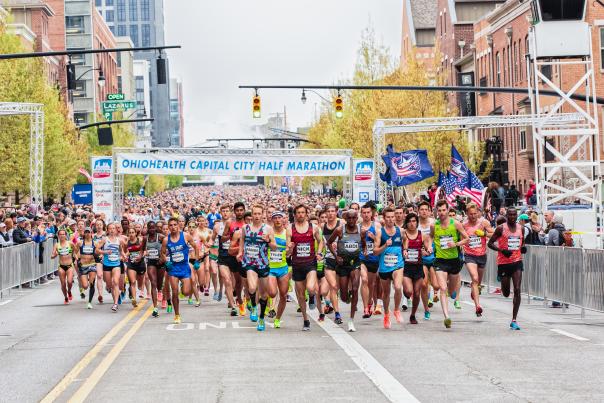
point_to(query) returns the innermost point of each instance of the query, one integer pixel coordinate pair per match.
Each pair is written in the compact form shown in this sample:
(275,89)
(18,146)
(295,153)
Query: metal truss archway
(118,187)
(36,145)
(383,127)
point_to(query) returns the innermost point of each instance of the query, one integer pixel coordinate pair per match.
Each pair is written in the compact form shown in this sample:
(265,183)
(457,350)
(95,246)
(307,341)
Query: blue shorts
(279,272)
(180,272)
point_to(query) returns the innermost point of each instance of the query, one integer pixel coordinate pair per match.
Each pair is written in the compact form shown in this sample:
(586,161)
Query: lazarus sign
(232,165)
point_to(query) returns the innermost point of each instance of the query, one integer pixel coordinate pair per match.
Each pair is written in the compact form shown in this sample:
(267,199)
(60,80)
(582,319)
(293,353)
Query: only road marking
(567,334)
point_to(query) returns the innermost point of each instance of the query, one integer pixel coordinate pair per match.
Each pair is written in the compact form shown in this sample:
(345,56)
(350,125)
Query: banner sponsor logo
(363,170)
(101,168)
(363,180)
(102,186)
(232,165)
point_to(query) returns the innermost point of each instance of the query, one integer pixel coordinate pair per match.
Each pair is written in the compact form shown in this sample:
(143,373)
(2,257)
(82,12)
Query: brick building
(419,27)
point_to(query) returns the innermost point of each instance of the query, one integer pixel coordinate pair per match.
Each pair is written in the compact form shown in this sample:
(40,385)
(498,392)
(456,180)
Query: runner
(253,255)
(63,248)
(224,260)
(448,235)
(97,237)
(197,277)
(278,280)
(388,246)
(304,257)
(510,247)
(347,255)
(110,248)
(414,247)
(323,288)
(330,262)
(217,229)
(475,251)
(425,224)
(155,270)
(175,251)
(134,250)
(85,255)
(228,252)
(209,274)
(369,261)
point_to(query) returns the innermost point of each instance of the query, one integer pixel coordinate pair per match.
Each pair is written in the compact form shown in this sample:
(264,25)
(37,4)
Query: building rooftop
(423,13)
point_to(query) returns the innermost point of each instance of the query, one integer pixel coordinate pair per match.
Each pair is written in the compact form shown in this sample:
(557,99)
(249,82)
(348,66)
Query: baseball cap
(21,219)
(87,229)
(524,217)
(71,222)
(277,214)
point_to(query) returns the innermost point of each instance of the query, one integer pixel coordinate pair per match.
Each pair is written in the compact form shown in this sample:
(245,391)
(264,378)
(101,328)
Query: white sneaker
(351,327)
(89,306)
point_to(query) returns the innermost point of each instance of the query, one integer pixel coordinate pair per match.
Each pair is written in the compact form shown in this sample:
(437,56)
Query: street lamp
(303,98)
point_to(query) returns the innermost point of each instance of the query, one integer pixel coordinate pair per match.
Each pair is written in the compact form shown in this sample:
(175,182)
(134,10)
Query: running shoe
(397,316)
(436,299)
(219,297)
(457,305)
(123,294)
(447,323)
(338,319)
(169,309)
(497,291)
(306,326)
(430,303)
(114,308)
(66,302)
(299,309)
(177,319)
(366,313)
(248,305)
(277,323)
(288,298)
(328,309)
(387,321)
(134,303)
(480,287)
(514,325)
(197,303)
(254,314)
(70,295)
(272,313)
(479,311)
(351,327)
(119,299)
(89,306)
(454,295)
(412,320)
(82,295)
(181,295)
(311,303)
(141,295)
(260,326)
(427,315)
(321,317)
(215,296)
(164,303)
(378,310)
(242,309)
(155,313)
(160,296)
(206,292)
(190,301)
(100,298)
(404,307)
(233,312)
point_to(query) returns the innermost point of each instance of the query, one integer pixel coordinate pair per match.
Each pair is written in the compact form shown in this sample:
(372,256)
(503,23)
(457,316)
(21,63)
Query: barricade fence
(573,276)
(25,263)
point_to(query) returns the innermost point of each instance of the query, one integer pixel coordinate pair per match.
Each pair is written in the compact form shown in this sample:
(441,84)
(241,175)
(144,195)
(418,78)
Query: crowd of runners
(254,248)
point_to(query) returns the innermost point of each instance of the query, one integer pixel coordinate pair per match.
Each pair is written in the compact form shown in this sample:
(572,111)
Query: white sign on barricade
(102,186)
(232,165)
(363,180)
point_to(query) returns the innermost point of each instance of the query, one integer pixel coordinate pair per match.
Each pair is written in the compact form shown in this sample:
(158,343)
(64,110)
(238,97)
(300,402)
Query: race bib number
(276,256)
(369,247)
(412,255)
(114,257)
(134,256)
(87,250)
(226,245)
(475,242)
(351,246)
(513,243)
(178,257)
(252,251)
(390,259)
(216,242)
(328,254)
(153,254)
(303,250)
(445,240)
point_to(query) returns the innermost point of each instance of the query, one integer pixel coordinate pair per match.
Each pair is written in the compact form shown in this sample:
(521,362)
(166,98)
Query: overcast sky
(231,42)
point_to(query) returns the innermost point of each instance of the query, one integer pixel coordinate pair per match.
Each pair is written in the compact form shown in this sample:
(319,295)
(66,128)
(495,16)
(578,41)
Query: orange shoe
(386,321)
(378,310)
(242,309)
(397,316)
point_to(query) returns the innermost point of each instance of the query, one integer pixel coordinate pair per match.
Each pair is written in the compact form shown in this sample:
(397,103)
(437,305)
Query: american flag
(451,188)
(406,166)
(473,188)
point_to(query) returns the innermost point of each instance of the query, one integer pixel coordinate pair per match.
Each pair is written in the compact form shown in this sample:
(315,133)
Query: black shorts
(345,271)
(65,267)
(262,272)
(372,267)
(110,268)
(387,275)
(506,270)
(330,264)
(480,261)
(154,263)
(320,273)
(299,273)
(231,262)
(140,269)
(450,266)
(414,271)
(97,258)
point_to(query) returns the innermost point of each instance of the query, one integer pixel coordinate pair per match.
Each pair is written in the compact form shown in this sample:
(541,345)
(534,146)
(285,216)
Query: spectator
(511,197)
(10,227)
(5,238)
(20,234)
(432,194)
(531,194)
(555,231)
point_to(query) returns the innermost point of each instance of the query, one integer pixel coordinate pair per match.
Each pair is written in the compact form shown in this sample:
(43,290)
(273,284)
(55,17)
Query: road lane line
(94,378)
(90,355)
(567,334)
(390,387)
(8,301)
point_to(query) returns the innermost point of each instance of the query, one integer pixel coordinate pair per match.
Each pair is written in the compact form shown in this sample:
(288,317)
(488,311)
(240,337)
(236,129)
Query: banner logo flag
(459,169)
(406,167)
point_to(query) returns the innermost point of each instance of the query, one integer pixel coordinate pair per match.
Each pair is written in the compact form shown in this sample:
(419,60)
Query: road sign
(111,106)
(115,97)
(108,115)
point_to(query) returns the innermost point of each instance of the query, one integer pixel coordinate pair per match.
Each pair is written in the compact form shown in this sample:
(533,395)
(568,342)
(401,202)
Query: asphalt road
(67,353)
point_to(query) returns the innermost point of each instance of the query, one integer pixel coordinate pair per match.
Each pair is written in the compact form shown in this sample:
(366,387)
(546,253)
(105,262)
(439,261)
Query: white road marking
(467,303)
(567,334)
(8,301)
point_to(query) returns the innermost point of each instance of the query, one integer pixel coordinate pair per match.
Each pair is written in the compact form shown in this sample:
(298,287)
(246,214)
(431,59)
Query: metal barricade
(20,264)
(593,279)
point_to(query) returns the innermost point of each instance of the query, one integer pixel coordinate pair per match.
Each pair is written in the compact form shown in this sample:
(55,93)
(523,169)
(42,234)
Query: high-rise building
(143,22)
(176,114)
(419,32)
(142,94)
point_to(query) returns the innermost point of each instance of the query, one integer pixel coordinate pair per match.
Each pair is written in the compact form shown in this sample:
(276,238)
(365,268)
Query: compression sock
(262,307)
(253,299)
(91,288)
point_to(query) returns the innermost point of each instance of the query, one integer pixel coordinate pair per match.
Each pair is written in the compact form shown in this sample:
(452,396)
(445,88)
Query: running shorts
(83,270)
(480,261)
(262,272)
(414,271)
(153,262)
(231,262)
(387,275)
(281,272)
(180,271)
(345,271)
(330,264)
(372,267)
(299,273)
(65,266)
(507,270)
(450,266)
(110,268)
(140,269)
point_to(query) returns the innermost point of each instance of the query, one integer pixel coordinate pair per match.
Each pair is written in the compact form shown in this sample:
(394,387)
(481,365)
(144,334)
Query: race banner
(233,165)
(102,186)
(363,180)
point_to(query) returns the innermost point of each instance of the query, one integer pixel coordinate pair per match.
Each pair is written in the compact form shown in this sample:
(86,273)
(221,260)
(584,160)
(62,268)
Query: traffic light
(71,76)
(338,105)
(256,107)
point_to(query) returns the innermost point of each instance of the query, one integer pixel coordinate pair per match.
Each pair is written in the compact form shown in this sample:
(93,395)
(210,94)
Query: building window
(146,34)
(80,118)
(133,10)
(121,30)
(121,10)
(145,10)
(109,16)
(119,84)
(498,62)
(119,59)
(74,25)
(108,3)
(602,48)
(78,60)
(134,34)
(98,3)
(80,89)
(522,139)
